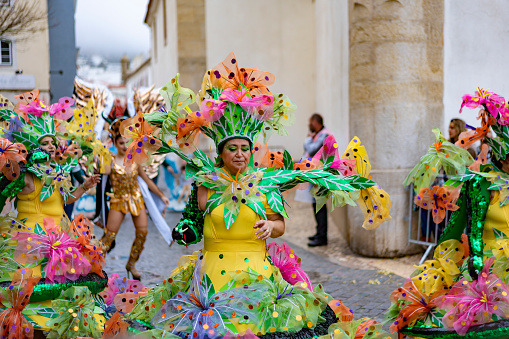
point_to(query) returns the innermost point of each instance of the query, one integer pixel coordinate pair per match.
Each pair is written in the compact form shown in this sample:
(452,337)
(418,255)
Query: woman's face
(48,144)
(235,155)
(121,145)
(453,131)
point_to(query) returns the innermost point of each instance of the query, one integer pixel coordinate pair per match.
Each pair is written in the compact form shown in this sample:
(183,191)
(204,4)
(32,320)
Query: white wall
(277,37)
(476,38)
(164,58)
(332,66)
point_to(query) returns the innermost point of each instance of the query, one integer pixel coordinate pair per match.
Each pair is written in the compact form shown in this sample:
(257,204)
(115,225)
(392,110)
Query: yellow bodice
(126,196)
(31,207)
(235,249)
(497,218)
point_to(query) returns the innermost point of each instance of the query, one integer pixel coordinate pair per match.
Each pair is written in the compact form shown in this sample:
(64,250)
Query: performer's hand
(265,228)
(92,181)
(166,203)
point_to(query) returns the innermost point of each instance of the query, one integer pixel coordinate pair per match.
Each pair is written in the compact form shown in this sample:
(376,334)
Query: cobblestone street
(364,290)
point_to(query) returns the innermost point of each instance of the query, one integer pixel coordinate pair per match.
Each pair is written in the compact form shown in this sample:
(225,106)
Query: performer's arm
(88,184)
(153,187)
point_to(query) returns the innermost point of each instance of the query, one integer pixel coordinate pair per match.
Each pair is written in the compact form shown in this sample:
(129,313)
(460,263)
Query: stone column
(396,92)
(192,58)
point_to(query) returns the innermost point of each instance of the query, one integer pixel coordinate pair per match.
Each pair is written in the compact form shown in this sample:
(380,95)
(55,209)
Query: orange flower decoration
(468,138)
(227,74)
(482,158)
(188,131)
(418,307)
(67,151)
(439,199)
(115,327)
(13,323)
(263,158)
(138,129)
(82,229)
(25,99)
(10,156)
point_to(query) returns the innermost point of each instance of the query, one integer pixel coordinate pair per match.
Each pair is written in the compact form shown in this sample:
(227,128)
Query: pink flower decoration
(117,285)
(474,303)
(494,103)
(261,107)
(288,263)
(60,110)
(330,148)
(212,110)
(65,260)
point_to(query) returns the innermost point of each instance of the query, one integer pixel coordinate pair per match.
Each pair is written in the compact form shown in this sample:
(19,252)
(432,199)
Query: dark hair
(117,136)
(497,162)
(460,126)
(318,118)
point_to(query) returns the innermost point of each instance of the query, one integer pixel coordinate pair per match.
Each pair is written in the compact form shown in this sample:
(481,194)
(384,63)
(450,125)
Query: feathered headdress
(236,103)
(29,133)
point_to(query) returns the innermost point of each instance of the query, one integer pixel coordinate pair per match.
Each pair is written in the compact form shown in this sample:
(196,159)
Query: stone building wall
(396,91)
(191,42)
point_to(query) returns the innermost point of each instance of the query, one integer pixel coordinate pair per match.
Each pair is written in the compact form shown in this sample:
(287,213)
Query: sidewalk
(302,224)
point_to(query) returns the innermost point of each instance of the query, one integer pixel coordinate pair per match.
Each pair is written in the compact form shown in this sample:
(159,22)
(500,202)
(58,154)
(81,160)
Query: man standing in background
(312,144)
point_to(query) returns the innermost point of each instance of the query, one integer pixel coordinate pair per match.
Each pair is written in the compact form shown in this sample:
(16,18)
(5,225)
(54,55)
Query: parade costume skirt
(232,286)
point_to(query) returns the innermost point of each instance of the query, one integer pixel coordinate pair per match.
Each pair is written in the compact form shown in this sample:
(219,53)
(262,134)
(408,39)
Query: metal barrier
(427,232)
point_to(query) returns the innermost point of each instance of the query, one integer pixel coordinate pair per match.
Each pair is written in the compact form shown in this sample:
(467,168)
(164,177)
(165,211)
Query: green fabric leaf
(39,230)
(258,208)
(213,202)
(287,161)
(46,192)
(208,286)
(207,162)
(33,323)
(47,312)
(229,217)
(275,201)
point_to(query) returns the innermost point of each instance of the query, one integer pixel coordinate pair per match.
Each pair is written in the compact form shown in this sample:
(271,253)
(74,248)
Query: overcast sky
(112,28)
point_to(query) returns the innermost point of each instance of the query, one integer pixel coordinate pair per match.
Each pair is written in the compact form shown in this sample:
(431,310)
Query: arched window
(5,52)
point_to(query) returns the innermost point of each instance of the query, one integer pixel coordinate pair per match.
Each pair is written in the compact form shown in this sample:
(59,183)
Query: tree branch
(22,19)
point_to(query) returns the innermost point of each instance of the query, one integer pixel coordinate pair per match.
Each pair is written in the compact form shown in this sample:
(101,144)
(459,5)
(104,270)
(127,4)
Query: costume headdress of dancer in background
(32,121)
(236,103)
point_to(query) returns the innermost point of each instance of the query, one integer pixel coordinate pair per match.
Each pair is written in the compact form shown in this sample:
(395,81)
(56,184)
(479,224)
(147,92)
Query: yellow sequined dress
(126,196)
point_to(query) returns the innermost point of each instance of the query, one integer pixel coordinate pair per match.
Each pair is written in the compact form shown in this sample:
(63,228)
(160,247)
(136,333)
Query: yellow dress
(126,196)
(31,207)
(497,220)
(238,248)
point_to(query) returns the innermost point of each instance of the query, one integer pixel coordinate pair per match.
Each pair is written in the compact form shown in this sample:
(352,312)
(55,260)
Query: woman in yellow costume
(61,262)
(238,282)
(127,198)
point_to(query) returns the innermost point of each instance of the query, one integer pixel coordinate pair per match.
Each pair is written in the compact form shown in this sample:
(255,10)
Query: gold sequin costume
(126,196)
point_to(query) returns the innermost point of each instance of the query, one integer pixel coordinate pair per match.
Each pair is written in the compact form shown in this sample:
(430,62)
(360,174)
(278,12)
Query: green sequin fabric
(44,291)
(189,230)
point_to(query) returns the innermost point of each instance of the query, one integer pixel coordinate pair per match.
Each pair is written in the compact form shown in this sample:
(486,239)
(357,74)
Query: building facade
(387,71)
(25,60)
